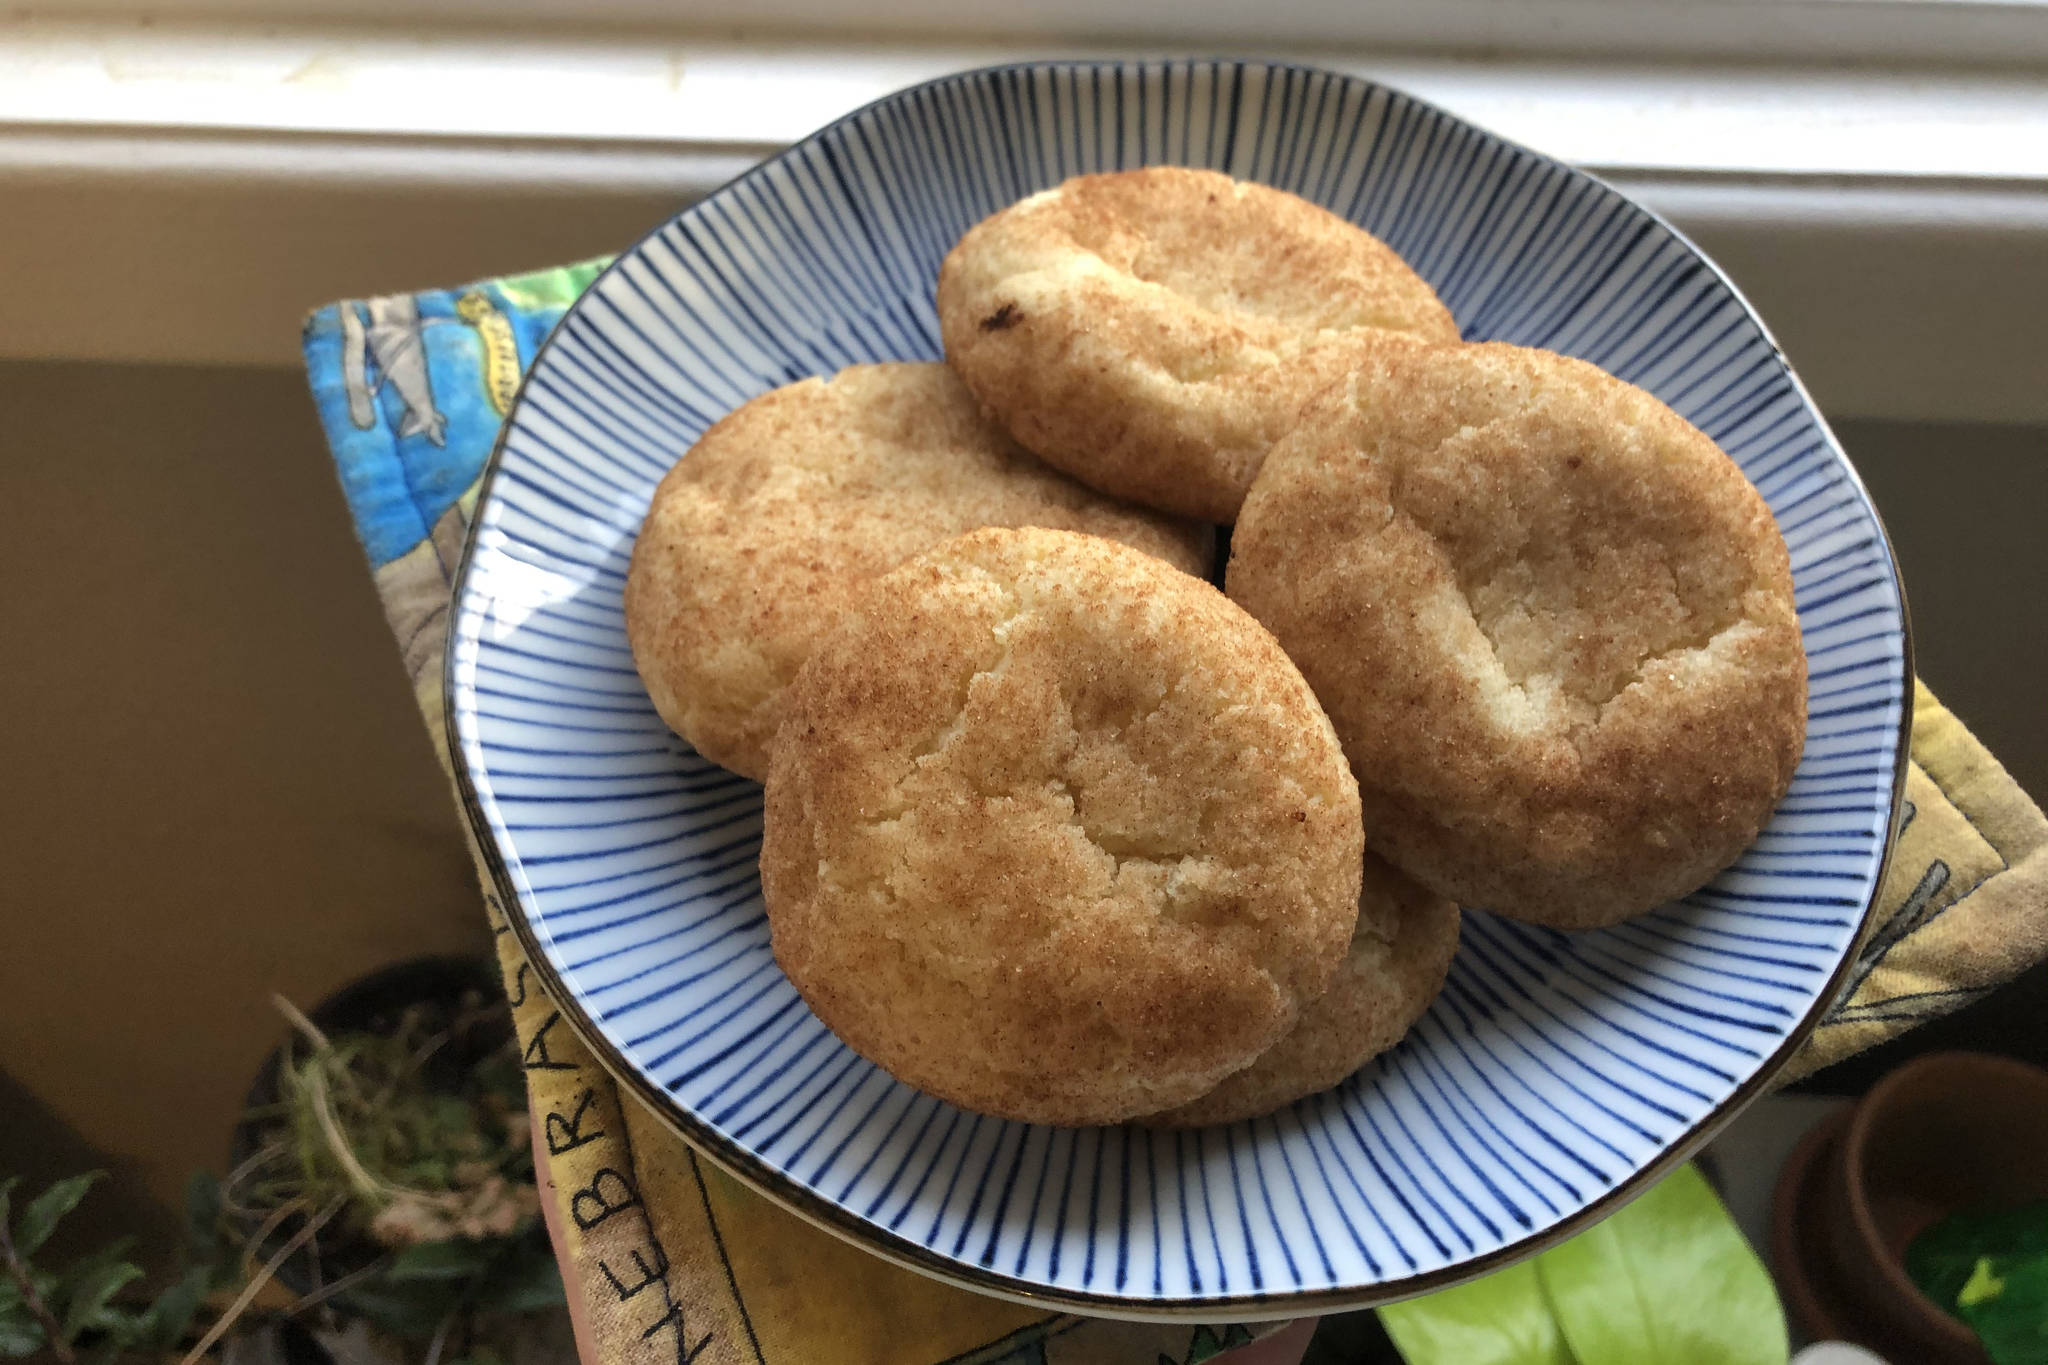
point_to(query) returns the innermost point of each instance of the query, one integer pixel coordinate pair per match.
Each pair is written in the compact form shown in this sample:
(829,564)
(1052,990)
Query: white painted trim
(185,194)
(1974,32)
(683,90)
(175,157)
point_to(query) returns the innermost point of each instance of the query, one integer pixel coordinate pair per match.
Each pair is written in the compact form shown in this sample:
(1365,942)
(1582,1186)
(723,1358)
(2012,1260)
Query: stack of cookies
(1058,831)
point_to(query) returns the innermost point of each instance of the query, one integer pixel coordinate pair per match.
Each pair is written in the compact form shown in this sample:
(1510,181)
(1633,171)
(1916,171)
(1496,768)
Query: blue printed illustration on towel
(411,389)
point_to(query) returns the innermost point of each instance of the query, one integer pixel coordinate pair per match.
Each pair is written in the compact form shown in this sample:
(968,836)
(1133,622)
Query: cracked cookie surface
(760,537)
(1057,833)
(1552,622)
(1152,332)
(1399,955)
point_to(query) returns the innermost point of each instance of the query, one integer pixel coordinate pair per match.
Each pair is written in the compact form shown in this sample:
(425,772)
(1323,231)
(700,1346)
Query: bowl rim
(823,1213)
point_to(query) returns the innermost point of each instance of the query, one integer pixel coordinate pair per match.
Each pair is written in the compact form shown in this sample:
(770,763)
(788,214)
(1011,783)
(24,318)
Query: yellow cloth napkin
(1965,899)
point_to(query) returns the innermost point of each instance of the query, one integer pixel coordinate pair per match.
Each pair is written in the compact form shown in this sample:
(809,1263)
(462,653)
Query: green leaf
(20,1333)
(91,1294)
(451,1114)
(1500,1319)
(411,1309)
(1668,1278)
(526,1280)
(1983,1286)
(100,1255)
(453,1259)
(2013,1323)
(6,1194)
(1943,1259)
(65,1286)
(202,1219)
(1989,1267)
(163,1325)
(40,1218)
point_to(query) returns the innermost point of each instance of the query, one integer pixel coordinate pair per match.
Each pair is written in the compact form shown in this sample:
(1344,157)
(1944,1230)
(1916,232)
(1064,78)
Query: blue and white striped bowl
(1556,1074)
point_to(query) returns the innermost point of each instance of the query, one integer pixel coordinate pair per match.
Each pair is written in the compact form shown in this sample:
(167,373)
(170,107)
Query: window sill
(185,192)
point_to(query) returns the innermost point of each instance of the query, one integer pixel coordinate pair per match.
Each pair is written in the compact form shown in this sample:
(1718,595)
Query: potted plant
(1916,1220)
(382,1176)
(384,1167)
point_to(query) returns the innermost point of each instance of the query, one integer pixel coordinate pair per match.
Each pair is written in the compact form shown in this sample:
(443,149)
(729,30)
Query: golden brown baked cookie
(1056,832)
(1551,620)
(764,533)
(1399,955)
(1152,332)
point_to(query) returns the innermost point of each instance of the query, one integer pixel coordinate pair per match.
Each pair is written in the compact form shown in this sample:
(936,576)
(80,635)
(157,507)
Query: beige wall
(1965,506)
(213,783)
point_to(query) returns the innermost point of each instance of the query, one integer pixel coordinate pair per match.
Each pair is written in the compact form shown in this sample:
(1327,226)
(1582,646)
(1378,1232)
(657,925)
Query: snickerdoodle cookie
(1056,832)
(762,535)
(1551,620)
(1399,956)
(1153,332)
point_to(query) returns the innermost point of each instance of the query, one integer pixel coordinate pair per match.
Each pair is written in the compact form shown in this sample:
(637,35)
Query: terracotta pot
(1943,1132)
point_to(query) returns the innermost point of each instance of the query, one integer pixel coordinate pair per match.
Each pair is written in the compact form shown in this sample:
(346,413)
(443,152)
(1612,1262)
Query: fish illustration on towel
(392,339)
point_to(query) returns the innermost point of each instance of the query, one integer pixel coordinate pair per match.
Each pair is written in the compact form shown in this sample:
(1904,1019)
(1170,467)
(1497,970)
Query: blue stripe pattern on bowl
(1555,1073)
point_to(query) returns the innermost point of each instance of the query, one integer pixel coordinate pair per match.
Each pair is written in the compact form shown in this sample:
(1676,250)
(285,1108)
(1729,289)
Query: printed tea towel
(678,1261)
